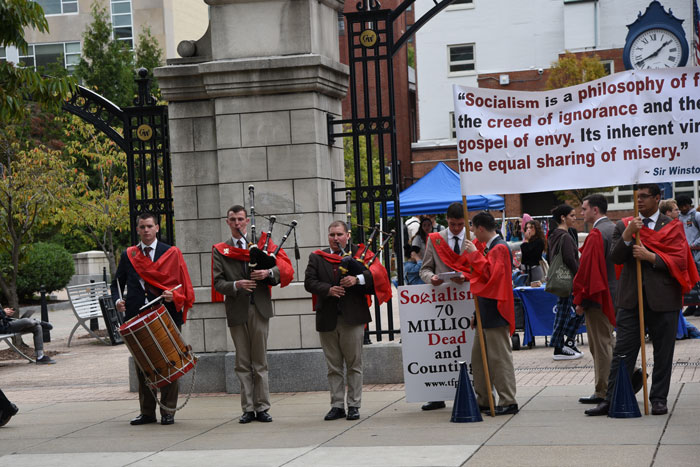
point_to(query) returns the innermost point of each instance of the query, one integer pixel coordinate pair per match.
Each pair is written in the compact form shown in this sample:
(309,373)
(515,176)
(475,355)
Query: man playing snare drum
(149,270)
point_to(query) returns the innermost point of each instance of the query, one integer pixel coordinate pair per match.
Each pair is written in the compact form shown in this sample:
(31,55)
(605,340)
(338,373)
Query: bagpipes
(260,258)
(352,266)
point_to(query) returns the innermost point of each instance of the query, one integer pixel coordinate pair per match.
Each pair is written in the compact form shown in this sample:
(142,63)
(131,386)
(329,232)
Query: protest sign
(436,335)
(627,128)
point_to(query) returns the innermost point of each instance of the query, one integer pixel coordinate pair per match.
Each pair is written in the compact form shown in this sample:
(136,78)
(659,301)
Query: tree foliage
(149,56)
(48,265)
(21,85)
(34,180)
(97,206)
(571,70)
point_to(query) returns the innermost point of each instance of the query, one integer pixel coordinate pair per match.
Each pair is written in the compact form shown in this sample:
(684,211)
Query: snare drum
(157,347)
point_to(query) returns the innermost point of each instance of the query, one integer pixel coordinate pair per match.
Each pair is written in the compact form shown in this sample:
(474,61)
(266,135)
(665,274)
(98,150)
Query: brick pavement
(91,371)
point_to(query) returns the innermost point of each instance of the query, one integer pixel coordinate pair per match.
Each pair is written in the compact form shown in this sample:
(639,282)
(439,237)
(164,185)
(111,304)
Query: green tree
(33,181)
(349,163)
(22,85)
(97,207)
(571,70)
(106,64)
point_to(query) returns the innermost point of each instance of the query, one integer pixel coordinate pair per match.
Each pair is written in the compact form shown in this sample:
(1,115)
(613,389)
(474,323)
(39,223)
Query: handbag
(560,281)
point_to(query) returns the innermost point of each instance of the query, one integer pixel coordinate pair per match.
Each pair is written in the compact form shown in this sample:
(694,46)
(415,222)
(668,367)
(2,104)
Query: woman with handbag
(563,255)
(534,244)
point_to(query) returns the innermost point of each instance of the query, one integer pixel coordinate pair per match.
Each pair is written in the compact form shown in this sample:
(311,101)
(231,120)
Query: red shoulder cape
(591,280)
(284,264)
(447,255)
(382,284)
(672,247)
(491,278)
(169,271)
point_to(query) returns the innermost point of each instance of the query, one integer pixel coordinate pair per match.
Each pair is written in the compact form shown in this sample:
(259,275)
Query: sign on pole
(436,335)
(627,128)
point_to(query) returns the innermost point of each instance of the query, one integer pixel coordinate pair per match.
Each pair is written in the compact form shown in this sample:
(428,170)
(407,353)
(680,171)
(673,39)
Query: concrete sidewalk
(77,411)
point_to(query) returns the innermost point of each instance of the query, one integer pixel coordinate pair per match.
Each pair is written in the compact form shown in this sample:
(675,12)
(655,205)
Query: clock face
(655,48)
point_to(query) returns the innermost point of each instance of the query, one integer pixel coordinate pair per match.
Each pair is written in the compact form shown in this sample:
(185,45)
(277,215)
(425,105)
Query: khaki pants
(501,371)
(168,395)
(601,343)
(344,345)
(250,340)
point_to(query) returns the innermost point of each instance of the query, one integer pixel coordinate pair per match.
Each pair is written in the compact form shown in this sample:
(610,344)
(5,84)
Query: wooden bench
(7,338)
(85,300)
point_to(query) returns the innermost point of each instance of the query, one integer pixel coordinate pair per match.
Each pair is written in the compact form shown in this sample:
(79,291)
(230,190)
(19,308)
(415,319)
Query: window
(3,54)
(461,59)
(121,21)
(622,197)
(453,126)
(41,55)
(689,188)
(58,7)
(341,23)
(609,66)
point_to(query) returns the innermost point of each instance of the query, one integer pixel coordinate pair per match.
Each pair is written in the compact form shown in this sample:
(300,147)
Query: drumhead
(142,319)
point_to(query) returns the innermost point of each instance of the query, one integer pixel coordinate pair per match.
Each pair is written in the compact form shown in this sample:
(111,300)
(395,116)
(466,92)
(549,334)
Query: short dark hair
(684,200)
(338,223)
(237,208)
(653,188)
(597,200)
(455,211)
(560,211)
(147,215)
(485,220)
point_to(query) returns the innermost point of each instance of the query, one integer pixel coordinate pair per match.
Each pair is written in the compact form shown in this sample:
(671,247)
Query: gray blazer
(607,227)
(432,264)
(225,272)
(662,291)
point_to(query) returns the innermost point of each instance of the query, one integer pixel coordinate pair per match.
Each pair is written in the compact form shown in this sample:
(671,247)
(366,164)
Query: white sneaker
(565,353)
(572,346)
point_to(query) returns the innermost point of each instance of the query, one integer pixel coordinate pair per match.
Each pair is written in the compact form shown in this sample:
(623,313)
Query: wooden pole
(479,327)
(640,302)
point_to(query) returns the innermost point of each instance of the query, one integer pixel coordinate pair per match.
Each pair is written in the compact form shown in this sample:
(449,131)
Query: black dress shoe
(506,409)
(433,405)
(167,419)
(485,409)
(600,409)
(353,413)
(335,413)
(143,420)
(247,417)
(8,414)
(263,416)
(659,408)
(591,400)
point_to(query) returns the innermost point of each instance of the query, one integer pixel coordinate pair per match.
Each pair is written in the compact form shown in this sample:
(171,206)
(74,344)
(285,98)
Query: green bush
(47,264)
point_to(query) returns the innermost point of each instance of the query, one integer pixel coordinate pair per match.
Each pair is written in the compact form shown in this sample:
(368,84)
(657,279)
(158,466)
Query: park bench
(85,300)
(7,338)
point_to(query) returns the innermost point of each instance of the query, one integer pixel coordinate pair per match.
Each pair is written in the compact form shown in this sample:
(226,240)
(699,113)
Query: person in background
(669,207)
(436,227)
(411,267)
(534,244)
(10,325)
(690,219)
(566,323)
(421,238)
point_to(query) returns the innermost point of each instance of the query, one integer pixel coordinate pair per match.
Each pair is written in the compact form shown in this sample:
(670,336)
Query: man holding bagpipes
(341,278)
(244,274)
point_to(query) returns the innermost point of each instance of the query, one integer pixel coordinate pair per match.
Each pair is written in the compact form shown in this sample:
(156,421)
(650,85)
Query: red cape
(168,272)
(672,247)
(284,264)
(382,284)
(489,274)
(591,280)
(447,255)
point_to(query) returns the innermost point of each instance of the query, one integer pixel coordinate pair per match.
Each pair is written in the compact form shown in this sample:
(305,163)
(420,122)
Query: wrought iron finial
(367,5)
(144,84)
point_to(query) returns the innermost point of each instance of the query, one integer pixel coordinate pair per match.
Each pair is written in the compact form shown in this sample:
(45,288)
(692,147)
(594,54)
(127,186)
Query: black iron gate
(141,132)
(372,126)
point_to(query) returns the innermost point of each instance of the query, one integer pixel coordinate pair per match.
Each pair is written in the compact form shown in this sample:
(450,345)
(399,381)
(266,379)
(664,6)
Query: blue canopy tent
(436,190)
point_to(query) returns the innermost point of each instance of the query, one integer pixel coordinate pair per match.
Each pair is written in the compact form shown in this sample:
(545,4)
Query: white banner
(631,127)
(436,335)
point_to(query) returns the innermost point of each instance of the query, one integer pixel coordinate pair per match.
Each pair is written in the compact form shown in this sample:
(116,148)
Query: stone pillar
(248,106)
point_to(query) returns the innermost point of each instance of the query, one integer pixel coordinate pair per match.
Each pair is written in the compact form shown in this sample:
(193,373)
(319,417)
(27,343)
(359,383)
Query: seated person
(9,325)
(411,268)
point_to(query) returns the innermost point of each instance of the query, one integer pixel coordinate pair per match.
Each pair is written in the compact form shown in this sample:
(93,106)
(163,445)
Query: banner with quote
(627,128)
(436,335)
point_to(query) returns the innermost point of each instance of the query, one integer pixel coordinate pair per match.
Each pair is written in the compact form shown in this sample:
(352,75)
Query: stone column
(248,105)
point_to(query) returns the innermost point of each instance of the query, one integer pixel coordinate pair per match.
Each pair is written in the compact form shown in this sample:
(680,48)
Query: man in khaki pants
(248,311)
(341,314)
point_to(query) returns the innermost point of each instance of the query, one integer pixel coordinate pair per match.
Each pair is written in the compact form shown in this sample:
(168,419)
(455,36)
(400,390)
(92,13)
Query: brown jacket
(662,291)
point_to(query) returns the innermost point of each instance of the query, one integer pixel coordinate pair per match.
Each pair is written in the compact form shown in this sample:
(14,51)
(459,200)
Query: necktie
(147,252)
(240,243)
(646,221)
(456,247)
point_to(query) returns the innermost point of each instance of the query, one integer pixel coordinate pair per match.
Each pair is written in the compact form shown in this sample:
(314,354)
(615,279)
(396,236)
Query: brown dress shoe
(659,408)
(600,409)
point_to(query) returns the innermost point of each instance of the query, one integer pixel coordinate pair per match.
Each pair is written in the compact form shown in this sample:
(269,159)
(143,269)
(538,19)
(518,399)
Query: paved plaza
(76,413)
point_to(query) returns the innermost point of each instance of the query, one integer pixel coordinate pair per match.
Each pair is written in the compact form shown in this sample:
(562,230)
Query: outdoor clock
(655,40)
